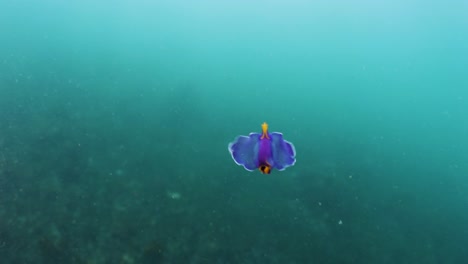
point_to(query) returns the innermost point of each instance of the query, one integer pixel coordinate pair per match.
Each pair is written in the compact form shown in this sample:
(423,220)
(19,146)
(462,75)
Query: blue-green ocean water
(115,117)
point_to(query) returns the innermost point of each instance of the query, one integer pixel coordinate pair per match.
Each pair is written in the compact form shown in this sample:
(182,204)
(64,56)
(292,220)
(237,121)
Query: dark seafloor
(115,120)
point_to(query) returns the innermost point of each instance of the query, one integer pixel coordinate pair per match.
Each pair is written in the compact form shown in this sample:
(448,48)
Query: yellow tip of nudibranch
(265,130)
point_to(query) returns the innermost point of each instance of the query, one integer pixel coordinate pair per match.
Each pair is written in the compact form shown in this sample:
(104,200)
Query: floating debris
(174,195)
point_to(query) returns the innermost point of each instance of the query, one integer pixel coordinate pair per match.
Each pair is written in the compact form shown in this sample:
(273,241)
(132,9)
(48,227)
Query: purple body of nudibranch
(252,151)
(264,152)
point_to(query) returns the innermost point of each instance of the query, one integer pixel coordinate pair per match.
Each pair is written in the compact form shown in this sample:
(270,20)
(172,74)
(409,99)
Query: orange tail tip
(265,131)
(265,169)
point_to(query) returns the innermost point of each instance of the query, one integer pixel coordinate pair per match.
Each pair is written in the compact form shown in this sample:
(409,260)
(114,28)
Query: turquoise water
(115,119)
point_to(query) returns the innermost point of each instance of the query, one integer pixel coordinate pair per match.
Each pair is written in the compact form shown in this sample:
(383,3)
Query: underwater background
(115,118)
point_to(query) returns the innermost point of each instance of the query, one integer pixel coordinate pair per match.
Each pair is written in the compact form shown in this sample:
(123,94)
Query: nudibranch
(265,151)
